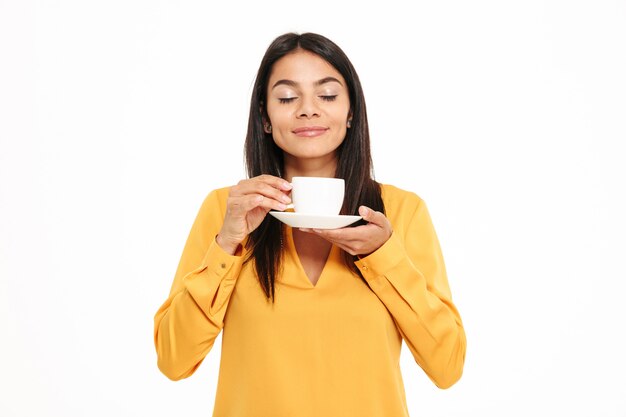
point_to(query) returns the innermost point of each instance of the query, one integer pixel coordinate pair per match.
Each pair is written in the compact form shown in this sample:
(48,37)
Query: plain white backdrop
(508,118)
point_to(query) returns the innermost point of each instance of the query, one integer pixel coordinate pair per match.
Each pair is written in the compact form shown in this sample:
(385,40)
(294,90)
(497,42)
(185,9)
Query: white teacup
(317,195)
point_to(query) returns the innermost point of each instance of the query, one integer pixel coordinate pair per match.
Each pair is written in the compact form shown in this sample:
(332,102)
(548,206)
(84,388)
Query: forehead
(303,67)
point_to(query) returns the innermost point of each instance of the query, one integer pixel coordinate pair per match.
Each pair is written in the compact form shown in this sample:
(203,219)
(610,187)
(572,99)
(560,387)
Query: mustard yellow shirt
(330,349)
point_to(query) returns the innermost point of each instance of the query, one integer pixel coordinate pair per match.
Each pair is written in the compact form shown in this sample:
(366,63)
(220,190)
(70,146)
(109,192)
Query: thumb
(368,214)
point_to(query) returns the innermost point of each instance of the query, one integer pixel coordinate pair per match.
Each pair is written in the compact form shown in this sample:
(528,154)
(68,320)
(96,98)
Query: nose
(308,109)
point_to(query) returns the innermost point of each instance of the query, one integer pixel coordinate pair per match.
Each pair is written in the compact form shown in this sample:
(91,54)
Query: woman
(312,320)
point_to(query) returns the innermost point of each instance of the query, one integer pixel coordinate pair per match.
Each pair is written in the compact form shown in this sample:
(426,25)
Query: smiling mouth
(310,131)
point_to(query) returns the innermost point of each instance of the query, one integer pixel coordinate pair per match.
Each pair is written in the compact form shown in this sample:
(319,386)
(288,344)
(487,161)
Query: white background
(508,118)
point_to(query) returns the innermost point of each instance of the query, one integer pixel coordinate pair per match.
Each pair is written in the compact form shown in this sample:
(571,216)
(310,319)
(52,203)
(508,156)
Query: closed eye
(290,99)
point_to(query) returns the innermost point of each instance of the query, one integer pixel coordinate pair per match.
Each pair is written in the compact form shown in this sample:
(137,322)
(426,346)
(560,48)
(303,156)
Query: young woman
(312,320)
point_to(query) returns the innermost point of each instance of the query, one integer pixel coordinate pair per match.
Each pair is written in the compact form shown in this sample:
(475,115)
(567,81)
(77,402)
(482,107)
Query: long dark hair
(263,156)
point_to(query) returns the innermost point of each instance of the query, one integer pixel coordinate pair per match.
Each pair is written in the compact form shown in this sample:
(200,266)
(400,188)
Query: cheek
(341,118)
(342,111)
(278,118)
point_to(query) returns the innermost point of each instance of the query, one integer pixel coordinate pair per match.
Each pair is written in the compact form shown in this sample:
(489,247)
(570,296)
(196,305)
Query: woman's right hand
(248,203)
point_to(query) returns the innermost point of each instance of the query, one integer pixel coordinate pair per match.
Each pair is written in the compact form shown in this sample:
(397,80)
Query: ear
(267,126)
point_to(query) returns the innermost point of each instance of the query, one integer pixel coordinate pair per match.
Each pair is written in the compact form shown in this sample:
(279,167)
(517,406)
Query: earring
(349,125)
(268,128)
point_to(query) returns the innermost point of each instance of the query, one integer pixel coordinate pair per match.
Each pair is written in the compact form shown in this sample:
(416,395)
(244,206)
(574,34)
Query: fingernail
(286,186)
(281,206)
(285,198)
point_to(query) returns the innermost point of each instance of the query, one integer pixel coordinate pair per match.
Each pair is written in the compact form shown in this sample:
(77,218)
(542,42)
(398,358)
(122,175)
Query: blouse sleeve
(408,275)
(186,325)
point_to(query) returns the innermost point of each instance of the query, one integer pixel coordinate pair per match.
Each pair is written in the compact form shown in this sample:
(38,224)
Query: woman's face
(308,107)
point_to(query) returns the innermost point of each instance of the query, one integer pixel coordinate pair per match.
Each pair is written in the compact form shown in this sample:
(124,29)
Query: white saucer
(314,221)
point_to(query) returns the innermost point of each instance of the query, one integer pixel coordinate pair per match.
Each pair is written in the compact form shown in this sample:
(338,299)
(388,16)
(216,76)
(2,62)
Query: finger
(336,239)
(275,182)
(266,203)
(354,247)
(270,180)
(339,243)
(243,204)
(333,235)
(321,232)
(260,187)
(346,248)
(372,216)
(346,234)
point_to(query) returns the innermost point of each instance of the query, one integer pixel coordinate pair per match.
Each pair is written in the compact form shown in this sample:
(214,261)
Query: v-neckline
(301,272)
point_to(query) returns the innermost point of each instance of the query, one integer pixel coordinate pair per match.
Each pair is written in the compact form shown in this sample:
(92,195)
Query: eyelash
(290,99)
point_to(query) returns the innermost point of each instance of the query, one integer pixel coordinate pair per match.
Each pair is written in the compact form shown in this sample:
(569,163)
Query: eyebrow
(317,83)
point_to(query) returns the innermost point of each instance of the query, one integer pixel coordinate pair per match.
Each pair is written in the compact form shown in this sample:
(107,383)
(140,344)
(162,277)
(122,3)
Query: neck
(317,167)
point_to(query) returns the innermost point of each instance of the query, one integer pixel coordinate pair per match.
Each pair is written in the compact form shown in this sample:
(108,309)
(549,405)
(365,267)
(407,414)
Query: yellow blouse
(330,349)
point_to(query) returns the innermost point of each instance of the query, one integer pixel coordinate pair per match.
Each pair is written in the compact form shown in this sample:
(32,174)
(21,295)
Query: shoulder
(220,194)
(215,200)
(397,200)
(405,210)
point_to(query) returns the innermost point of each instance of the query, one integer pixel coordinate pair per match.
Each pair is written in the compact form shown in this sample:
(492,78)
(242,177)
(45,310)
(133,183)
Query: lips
(310,131)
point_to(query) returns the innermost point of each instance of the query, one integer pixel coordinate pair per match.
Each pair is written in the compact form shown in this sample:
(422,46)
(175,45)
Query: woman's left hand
(360,240)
